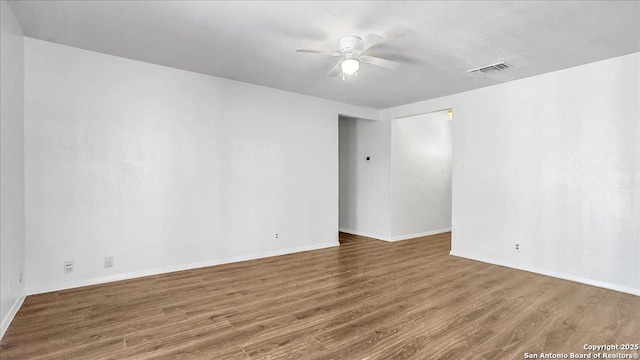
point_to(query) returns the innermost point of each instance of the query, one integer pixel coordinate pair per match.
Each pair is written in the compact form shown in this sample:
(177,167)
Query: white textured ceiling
(435,42)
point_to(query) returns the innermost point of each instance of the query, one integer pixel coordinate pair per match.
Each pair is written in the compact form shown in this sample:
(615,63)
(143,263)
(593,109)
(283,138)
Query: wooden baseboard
(395,238)
(359,233)
(10,315)
(554,274)
(168,269)
(412,236)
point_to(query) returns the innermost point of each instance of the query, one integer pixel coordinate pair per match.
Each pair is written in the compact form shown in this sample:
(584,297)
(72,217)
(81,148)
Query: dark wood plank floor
(366,299)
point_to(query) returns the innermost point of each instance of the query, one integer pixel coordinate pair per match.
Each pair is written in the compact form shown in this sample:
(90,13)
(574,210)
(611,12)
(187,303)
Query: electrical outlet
(108,262)
(516,248)
(276,235)
(68,267)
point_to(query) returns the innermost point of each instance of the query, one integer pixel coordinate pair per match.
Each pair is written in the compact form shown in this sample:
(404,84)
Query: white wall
(165,169)
(551,162)
(12,238)
(363,209)
(420,175)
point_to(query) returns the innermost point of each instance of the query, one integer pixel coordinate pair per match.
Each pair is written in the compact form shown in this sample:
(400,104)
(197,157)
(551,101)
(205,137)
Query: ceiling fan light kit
(350,66)
(351,49)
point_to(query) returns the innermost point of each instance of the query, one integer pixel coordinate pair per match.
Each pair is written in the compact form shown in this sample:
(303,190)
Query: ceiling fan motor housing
(351,49)
(348,44)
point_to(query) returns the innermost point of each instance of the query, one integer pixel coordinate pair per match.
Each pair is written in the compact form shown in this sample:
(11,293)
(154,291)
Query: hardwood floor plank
(367,299)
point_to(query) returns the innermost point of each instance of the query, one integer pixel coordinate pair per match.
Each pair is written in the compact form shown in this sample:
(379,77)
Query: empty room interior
(320,180)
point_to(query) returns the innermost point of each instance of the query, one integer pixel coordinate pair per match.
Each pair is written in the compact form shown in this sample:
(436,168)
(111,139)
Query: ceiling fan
(351,49)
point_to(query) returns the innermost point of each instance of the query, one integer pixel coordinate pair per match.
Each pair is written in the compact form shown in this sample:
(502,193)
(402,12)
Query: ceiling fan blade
(387,64)
(336,70)
(321,52)
(368,42)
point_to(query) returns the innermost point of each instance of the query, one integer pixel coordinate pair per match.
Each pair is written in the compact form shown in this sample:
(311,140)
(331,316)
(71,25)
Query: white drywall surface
(363,207)
(165,169)
(420,174)
(552,163)
(12,226)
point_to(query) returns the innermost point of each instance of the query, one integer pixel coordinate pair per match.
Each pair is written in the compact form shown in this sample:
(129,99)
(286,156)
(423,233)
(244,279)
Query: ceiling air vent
(489,68)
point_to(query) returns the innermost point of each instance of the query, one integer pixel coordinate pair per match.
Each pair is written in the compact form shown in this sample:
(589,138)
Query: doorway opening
(360,160)
(395,179)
